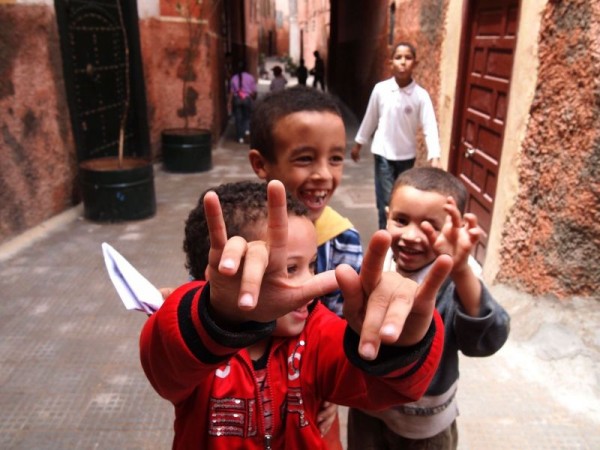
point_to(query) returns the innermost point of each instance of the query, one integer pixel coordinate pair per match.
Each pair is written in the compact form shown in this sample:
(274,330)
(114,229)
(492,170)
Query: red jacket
(208,376)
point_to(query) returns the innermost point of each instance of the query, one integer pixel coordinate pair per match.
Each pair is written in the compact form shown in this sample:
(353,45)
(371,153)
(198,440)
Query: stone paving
(70,376)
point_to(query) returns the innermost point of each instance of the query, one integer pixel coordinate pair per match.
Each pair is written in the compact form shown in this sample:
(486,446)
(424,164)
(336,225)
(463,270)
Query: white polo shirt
(394,115)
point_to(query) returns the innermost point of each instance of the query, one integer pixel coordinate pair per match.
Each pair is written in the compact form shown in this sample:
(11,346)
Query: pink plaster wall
(38,163)
(164,42)
(551,241)
(163,46)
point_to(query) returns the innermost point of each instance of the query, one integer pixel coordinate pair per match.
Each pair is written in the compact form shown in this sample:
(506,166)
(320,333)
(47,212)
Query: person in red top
(247,357)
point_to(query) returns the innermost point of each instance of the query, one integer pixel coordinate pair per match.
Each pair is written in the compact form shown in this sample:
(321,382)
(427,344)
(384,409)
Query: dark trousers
(366,432)
(242,107)
(386,172)
(319,79)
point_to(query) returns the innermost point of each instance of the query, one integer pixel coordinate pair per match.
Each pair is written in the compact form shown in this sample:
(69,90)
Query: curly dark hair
(244,204)
(279,104)
(434,180)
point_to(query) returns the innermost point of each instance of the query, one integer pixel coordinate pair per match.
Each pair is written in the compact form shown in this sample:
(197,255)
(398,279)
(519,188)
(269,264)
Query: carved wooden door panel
(483,103)
(94,54)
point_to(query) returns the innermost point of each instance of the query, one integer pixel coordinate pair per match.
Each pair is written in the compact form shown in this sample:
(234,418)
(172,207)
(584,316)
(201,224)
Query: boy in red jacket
(248,357)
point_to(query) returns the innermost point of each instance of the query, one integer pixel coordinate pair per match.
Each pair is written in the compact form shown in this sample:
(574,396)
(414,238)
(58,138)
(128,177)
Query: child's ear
(258,164)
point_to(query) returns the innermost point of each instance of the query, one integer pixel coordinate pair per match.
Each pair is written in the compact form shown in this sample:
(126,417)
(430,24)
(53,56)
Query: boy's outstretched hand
(385,306)
(457,237)
(249,280)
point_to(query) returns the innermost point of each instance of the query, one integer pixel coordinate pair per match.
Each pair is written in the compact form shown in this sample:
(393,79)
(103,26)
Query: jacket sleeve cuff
(241,336)
(390,359)
(209,342)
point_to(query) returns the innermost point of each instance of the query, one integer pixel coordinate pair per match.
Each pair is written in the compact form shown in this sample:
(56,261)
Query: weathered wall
(38,165)
(313,19)
(163,47)
(551,240)
(164,41)
(359,52)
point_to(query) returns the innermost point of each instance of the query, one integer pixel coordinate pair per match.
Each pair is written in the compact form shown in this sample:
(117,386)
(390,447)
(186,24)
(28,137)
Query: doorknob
(470,151)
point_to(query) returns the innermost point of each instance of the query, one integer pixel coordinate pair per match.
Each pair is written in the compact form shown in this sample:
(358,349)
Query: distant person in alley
(398,108)
(426,219)
(279,80)
(242,93)
(318,71)
(302,73)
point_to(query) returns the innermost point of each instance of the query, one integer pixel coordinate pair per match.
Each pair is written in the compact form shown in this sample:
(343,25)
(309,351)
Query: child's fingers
(475,232)
(429,232)
(232,254)
(277,224)
(453,212)
(351,287)
(255,264)
(316,287)
(399,308)
(326,417)
(165,292)
(470,220)
(216,227)
(475,235)
(372,265)
(434,279)
(388,307)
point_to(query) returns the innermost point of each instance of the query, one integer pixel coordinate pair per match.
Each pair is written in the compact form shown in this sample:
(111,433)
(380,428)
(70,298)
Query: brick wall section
(551,241)
(37,164)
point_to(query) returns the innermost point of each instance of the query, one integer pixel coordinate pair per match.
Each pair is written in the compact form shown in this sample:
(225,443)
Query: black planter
(186,150)
(116,194)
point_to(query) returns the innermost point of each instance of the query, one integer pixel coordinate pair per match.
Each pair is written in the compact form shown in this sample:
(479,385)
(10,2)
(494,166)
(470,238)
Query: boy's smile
(408,208)
(310,148)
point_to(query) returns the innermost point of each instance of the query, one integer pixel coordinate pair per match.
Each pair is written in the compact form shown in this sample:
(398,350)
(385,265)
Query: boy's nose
(412,233)
(322,171)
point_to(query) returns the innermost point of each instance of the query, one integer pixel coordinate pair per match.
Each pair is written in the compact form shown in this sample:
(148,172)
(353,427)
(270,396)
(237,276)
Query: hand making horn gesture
(249,280)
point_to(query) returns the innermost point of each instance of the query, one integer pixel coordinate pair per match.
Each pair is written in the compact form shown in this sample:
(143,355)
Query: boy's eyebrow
(305,148)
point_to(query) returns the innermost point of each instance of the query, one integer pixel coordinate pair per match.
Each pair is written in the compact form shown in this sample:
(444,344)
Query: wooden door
(94,52)
(488,53)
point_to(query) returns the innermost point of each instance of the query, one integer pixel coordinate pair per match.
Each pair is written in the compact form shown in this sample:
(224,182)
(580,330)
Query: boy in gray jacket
(425,219)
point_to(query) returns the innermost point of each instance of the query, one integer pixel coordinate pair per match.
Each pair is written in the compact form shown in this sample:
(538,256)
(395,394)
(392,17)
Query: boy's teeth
(318,194)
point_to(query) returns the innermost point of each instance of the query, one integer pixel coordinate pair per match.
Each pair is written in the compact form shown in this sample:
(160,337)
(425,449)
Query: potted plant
(189,149)
(118,188)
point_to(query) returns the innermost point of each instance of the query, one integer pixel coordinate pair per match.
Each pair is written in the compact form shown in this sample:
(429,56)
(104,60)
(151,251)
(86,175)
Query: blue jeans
(242,107)
(386,172)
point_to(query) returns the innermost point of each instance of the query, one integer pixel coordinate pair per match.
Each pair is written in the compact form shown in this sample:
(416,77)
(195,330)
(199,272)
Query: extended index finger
(434,279)
(217,232)
(372,265)
(453,212)
(277,224)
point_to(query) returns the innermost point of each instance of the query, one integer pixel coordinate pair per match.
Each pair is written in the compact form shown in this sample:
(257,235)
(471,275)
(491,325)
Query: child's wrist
(460,271)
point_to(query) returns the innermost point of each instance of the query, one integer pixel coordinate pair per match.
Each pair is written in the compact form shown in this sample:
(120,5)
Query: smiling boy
(299,138)
(248,357)
(425,219)
(397,109)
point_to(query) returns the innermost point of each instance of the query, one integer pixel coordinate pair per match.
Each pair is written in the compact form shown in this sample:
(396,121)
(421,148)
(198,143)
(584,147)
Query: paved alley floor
(70,376)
